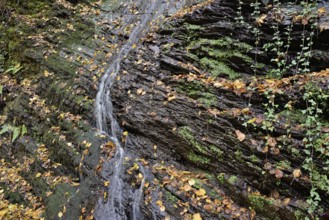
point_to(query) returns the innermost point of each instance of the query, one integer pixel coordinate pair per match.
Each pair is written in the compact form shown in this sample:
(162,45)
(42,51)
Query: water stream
(114,208)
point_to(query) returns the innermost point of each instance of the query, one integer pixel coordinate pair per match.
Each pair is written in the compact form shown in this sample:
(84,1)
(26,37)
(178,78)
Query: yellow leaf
(139,91)
(134,46)
(125,133)
(162,208)
(60,214)
(218,84)
(46,73)
(159,203)
(171,98)
(297,173)
(38,175)
(191,182)
(241,136)
(75,184)
(197,216)
(239,85)
(260,20)
(251,121)
(322,10)
(200,192)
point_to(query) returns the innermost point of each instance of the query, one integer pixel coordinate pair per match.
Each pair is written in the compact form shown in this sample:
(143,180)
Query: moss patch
(211,150)
(259,203)
(215,55)
(198,159)
(198,91)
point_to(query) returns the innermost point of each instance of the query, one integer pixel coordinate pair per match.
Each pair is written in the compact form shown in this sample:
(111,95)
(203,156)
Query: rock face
(201,135)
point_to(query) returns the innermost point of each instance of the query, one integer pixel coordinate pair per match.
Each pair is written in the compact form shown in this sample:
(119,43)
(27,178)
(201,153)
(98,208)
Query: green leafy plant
(278,48)
(14,69)
(14,131)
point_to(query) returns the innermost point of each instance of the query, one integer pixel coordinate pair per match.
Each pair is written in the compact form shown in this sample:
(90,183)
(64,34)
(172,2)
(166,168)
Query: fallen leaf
(38,175)
(170,98)
(187,188)
(241,136)
(286,201)
(260,20)
(218,84)
(271,141)
(267,166)
(200,192)
(297,173)
(191,182)
(278,174)
(197,216)
(321,11)
(139,91)
(60,214)
(304,21)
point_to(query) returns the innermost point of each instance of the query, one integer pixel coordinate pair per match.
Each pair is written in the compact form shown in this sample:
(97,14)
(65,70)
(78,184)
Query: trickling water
(138,196)
(114,209)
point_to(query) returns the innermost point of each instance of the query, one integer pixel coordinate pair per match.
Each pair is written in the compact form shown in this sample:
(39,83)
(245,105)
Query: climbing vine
(315,153)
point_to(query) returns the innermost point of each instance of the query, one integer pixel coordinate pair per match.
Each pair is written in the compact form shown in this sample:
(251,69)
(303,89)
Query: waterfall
(113,208)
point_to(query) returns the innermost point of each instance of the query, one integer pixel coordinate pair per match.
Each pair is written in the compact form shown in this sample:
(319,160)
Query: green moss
(284,164)
(56,202)
(215,55)
(299,215)
(216,151)
(211,150)
(198,91)
(238,155)
(218,68)
(186,133)
(60,64)
(192,27)
(221,178)
(226,42)
(259,203)
(232,180)
(171,198)
(198,159)
(254,159)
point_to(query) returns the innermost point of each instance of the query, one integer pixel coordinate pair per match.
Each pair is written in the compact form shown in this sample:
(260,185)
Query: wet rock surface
(179,96)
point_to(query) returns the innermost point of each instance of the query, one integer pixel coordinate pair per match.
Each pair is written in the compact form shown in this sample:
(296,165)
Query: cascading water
(113,208)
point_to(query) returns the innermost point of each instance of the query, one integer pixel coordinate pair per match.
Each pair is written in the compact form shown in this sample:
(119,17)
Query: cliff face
(189,97)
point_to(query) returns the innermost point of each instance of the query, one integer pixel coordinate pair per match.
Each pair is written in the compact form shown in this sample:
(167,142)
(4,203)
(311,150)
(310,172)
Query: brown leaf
(241,136)
(271,141)
(267,166)
(286,201)
(278,174)
(275,151)
(325,130)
